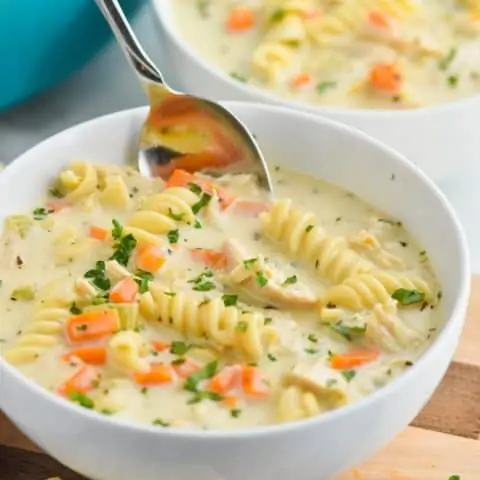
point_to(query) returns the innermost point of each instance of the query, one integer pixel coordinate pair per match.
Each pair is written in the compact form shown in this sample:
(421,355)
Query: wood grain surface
(443,441)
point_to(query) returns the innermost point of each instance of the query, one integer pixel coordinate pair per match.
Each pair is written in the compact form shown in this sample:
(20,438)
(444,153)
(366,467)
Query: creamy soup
(201,303)
(360,54)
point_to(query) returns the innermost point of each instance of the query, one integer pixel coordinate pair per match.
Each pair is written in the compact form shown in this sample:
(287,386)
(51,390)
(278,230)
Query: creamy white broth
(323,52)
(301,334)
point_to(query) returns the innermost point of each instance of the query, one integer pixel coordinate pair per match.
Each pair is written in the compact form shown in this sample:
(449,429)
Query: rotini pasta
(227,326)
(297,233)
(366,290)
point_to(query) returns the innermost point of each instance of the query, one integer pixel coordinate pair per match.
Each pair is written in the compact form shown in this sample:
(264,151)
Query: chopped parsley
(180,348)
(242,326)
(229,300)
(160,422)
(309,228)
(235,413)
(143,279)
(312,338)
(446,61)
(205,395)
(452,80)
(322,87)
(278,15)
(55,192)
(106,411)
(249,263)
(311,351)
(203,7)
(144,391)
(97,276)
(348,331)
(203,202)
(117,230)
(197,224)
(454,477)
(262,280)
(271,357)
(290,280)
(267,320)
(82,399)
(202,282)
(178,217)
(173,236)
(408,297)
(205,373)
(40,213)
(348,375)
(74,310)
(124,249)
(196,189)
(239,77)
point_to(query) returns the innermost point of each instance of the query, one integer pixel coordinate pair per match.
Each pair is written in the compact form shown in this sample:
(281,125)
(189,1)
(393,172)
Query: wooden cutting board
(443,441)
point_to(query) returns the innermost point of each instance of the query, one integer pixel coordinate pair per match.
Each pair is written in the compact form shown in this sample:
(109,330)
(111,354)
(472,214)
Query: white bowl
(442,140)
(103,448)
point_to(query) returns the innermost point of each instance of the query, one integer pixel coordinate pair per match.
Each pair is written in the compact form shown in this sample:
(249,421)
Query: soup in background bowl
(290,53)
(187,318)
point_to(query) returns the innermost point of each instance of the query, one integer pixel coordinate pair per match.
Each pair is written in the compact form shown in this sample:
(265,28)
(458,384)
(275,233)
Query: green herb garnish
(40,213)
(242,326)
(205,395)
(312,338)
(82,399)
(262,280)
(160,422)
(309,228)
(452,80)
(193,187)
(408,297)
(74,310)
(445,62)
(235,413)
(197,224)
(203,202)
(117,230)
(143,279)
(97,276)
(348,374)
(124,249)
(278,15)
(271,357)
(173,236)
(290,280)
(348,331)
(229,300)
(249,263)
(178,217)
(322,87)
(205,373)
(180,348)
(239,77)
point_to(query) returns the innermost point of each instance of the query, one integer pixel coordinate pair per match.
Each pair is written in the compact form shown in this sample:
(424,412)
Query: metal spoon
(181,130)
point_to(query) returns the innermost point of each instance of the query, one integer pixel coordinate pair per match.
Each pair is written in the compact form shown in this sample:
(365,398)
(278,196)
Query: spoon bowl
(184,131)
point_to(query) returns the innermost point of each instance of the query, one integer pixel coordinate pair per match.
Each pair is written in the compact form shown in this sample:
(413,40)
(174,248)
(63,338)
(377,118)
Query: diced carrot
(301,80)
(312,14)
(160,346)
(157,375)
(186,368)
(83,381)
(98,233)
(181,178)
(253,382)
(150,258)
(210,258)
(386,77)
(250,208)
(226,379)
(125,291)
(379,20)
(57,204)
(92,325)
(230,401)
(241,18)
(89,355)
(353,359)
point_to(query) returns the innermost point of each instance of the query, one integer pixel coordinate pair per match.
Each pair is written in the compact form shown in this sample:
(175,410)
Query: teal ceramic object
(43,41)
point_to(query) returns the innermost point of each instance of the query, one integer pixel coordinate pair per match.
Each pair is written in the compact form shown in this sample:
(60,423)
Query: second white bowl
(442,140)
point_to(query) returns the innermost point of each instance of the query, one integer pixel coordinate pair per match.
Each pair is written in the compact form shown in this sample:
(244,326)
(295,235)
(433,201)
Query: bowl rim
(163,14)
(434,350)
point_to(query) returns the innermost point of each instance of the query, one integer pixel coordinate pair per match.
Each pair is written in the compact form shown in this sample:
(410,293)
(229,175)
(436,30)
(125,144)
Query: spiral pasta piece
(115,194)
(125,352)
(79,181)
(366,290)
(270,58)
(300,237)
(226,326)
(41,334)
(296,404)
(161,213)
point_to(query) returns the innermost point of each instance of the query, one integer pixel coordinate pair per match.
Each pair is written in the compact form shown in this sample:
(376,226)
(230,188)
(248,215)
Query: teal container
(42,42)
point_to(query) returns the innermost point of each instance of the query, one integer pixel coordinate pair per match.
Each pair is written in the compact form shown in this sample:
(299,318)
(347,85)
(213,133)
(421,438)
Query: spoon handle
(141,63)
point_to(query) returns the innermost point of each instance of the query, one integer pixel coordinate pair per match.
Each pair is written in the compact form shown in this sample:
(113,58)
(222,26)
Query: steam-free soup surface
(371,54)
(200,303)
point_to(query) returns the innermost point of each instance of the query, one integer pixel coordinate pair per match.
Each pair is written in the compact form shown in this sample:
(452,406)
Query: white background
(107,85)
